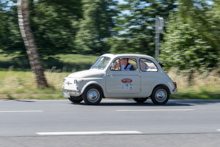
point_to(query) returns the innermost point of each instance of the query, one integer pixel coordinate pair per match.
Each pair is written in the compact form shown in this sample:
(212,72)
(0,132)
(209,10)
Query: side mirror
(161,64)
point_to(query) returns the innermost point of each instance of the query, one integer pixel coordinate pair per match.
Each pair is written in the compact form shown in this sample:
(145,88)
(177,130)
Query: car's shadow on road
(189,102)
(141,104)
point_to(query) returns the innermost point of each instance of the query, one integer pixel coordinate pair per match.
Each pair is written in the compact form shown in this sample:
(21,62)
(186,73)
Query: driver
(125,65)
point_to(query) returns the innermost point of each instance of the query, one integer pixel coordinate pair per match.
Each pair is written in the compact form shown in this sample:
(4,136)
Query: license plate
(66,94)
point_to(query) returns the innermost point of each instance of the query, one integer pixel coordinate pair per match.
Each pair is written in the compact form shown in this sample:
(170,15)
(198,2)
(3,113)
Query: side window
(116,65)
(147,65)
(124,64)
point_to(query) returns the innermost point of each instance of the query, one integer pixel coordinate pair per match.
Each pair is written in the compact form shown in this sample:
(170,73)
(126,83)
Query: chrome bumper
(73,92)
(175,90)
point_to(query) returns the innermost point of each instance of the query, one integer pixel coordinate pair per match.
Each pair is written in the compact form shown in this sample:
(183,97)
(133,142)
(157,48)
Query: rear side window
(147,65)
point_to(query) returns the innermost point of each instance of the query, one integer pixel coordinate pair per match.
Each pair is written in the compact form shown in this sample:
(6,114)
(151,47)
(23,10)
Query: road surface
(56,123)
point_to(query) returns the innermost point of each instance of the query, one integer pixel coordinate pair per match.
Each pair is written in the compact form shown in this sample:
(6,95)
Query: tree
(205,19)
(192,38)
(184,46)
(70,26)
(10,37)
(54,25)
(136,25)
(96,26)
(34,59)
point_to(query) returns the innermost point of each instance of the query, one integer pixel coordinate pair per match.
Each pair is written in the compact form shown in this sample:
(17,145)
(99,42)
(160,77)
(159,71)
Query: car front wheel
(160,95)
(92,95)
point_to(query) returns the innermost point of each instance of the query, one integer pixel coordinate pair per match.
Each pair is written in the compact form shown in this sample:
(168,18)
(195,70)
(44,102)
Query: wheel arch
(95,84)
(161,85)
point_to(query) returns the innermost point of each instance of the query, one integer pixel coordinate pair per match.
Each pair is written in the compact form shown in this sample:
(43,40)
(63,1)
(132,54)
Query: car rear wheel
(92,95)
(140,100)
(75,99)
(160,95)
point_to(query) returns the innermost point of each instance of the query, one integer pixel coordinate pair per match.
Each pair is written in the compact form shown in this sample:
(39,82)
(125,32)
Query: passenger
(125,65)
(117,64)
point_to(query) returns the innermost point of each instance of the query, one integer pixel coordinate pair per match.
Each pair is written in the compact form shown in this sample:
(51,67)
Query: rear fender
(169,86)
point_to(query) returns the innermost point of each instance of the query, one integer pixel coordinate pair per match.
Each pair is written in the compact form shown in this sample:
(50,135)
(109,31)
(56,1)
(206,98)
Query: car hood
(87,74)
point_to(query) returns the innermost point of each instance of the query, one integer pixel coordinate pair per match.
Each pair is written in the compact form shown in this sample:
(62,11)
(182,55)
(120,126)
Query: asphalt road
(182,123)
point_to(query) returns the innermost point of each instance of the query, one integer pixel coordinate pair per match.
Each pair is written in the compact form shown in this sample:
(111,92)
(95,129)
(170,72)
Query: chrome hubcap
(93,95)
(161,95)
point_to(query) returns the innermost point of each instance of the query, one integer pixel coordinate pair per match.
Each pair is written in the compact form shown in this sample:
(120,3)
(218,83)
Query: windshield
(101,63)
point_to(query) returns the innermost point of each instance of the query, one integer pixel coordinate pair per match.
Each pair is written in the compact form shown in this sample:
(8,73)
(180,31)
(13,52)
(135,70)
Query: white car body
(111,82)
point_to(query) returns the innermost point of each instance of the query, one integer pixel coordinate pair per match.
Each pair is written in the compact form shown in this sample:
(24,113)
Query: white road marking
(88,133)
(22,111)
(151,110)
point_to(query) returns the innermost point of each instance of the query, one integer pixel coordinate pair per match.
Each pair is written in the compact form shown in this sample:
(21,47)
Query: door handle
(107,75)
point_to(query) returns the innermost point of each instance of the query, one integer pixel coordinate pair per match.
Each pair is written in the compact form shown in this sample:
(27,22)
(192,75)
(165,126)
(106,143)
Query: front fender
(91,83)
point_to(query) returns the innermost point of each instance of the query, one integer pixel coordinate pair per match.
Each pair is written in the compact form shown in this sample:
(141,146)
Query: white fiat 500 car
(120,76)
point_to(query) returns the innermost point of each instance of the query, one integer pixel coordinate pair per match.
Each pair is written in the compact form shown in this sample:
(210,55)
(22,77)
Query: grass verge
(21,85)
(202,95)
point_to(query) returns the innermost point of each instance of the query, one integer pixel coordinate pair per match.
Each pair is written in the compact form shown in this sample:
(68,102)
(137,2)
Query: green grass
(190,95)
(21,85)
(69,62)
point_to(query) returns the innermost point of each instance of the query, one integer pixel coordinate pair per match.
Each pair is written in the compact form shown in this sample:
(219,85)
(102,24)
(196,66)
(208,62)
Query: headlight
(64,80)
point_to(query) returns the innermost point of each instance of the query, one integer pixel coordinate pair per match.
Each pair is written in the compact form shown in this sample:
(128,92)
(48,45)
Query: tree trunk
(27,35)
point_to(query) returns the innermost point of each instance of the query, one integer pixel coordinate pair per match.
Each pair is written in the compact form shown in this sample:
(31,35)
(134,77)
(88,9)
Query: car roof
(119,55)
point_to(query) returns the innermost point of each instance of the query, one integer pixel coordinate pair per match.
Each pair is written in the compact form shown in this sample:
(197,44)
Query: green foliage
(136,25)
(10,36)
(184,47)
(54,24)
(205,19)
(193,37)
(96,26)
(70,26)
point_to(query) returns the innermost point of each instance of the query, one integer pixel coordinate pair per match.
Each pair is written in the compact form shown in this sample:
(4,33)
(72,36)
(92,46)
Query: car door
(123,82)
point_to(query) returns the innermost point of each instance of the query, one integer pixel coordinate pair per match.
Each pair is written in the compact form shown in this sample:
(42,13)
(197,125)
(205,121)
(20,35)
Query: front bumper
(72,92)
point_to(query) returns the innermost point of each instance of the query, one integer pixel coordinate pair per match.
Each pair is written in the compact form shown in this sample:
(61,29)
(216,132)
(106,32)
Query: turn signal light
(175,84)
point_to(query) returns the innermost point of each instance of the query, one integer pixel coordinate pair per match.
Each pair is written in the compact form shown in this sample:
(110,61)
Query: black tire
(140,100)
(92,95)
(75,99)
(160,95)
